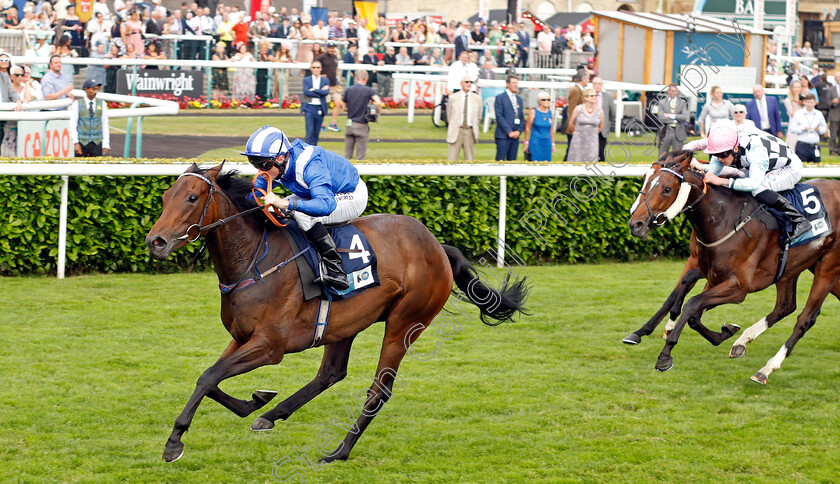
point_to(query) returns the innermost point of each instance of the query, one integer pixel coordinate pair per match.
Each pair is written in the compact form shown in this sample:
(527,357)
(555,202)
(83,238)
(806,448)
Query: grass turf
(96,368)
(388,128)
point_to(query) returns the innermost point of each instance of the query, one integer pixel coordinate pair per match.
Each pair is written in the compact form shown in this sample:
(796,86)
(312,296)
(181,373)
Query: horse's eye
(193,198)
(666,190)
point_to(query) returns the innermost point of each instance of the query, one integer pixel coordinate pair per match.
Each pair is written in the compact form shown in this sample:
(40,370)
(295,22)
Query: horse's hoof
(262,424)
(173,452)
(632,339)
(730,328)
(759,377)
(737,351)
(664,363)
(332,458)
(263,396)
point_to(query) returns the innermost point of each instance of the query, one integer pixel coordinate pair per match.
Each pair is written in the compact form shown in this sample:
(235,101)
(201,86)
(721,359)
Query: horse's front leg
(241,408)
(691,274)
(728,291)
(257,352)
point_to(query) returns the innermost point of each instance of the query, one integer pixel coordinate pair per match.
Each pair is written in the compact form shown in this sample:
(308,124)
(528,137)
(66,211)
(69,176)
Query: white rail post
(62,227)
(500,250)
(411,100)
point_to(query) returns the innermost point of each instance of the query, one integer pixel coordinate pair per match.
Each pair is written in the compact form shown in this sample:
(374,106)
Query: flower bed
(291,102)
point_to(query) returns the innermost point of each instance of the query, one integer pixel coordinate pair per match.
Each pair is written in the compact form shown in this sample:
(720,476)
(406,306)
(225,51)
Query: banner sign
(154,81)
(423,90)
(32,141)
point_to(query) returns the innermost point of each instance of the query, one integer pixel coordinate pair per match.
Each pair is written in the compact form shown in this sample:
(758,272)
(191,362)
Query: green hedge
(109,217)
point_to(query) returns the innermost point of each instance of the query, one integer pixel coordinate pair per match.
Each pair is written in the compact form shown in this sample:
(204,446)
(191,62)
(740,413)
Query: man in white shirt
(458,69)
(89,131)
(808,125)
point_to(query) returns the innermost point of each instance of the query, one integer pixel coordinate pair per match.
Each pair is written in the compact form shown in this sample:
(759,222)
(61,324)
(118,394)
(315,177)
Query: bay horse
(743,261)
(270,319)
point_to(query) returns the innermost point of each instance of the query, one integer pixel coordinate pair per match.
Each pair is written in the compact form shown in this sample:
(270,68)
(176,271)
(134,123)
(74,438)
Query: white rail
(128,168)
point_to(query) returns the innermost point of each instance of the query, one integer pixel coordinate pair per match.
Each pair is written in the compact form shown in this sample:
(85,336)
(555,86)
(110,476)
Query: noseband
(676,208)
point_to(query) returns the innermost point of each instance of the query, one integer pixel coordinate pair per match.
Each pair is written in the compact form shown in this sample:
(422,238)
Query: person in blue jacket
(314,106)
(326,189)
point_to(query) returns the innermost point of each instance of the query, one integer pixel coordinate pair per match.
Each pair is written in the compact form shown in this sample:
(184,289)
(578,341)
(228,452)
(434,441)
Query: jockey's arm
(321,204)
(759,165)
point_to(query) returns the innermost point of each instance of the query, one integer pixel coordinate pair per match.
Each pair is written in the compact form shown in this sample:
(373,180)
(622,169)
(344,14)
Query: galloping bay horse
(271,319)
(744,261)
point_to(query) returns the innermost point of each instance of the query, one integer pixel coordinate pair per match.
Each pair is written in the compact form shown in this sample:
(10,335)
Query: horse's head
(663,195)
(187,206)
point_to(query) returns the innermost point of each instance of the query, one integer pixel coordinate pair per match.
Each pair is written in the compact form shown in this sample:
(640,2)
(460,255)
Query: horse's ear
(214,172)
(685,163)
(193,168)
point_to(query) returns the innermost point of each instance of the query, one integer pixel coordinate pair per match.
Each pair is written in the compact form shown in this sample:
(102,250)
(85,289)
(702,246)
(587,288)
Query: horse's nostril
(158,242)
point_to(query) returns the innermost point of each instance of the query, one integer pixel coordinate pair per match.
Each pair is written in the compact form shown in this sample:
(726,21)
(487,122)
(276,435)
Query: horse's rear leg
(785,304)
(691,274)
(723,293)
(255,353)
(333,370)
(825,279)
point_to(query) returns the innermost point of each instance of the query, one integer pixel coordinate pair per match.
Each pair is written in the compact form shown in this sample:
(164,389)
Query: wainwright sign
(176,83)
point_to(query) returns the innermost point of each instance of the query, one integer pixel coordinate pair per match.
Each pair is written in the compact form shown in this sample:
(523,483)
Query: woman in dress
(220,74)
(132,32)
(44,50)
(72,26)
(96,71)
(380,36)
(587,121)
(808,87)
(539,130)
(116,33)
(280,88)
(153,52)
(63,49)
(511,43)
(304,53)
(111,71)
(244,82)
(793,103)
(99,31)
(33,86)
(263,55)
(713,111)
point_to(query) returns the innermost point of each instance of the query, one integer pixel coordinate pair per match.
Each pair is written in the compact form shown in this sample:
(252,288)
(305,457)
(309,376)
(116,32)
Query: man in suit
(486,72)
(606,103)
(316,88)
(510,120)
(524,45)
(462,39)
(463,111)
(764,112)
(575,97)
(672,114)
(833,98)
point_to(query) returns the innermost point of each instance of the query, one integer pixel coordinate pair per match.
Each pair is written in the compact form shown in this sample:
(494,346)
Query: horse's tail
(499,305)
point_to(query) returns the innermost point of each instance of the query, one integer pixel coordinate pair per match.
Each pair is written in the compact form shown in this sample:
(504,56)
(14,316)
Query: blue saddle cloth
(359,264)
(807,200)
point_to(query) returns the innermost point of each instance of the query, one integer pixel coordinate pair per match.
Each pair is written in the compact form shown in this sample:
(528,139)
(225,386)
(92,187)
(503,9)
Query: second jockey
(326,189)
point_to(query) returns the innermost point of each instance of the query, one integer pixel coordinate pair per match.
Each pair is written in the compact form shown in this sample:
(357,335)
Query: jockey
(326,189)
(762,154)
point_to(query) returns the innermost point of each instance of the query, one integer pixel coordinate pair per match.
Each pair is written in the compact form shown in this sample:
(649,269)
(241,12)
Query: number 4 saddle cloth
(808,201)
(357,258)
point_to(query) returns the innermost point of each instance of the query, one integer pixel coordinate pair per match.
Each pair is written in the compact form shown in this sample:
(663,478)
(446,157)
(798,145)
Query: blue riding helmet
(267,142)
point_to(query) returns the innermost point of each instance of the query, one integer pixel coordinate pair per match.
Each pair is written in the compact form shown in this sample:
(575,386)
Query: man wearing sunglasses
(772,167)
(463,112)
(326,189)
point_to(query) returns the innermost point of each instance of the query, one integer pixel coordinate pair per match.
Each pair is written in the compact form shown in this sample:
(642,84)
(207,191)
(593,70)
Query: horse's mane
(237,188)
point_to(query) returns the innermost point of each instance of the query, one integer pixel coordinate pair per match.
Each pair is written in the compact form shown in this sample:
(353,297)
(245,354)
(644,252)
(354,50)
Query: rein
(228,288)
(738,227)
(217,223)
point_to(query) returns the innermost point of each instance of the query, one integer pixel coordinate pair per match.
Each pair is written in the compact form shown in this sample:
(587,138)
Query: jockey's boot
(780,203)
(324,244)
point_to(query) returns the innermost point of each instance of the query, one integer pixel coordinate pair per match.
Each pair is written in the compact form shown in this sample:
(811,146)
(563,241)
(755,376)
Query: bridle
(676,208)
(208,228)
